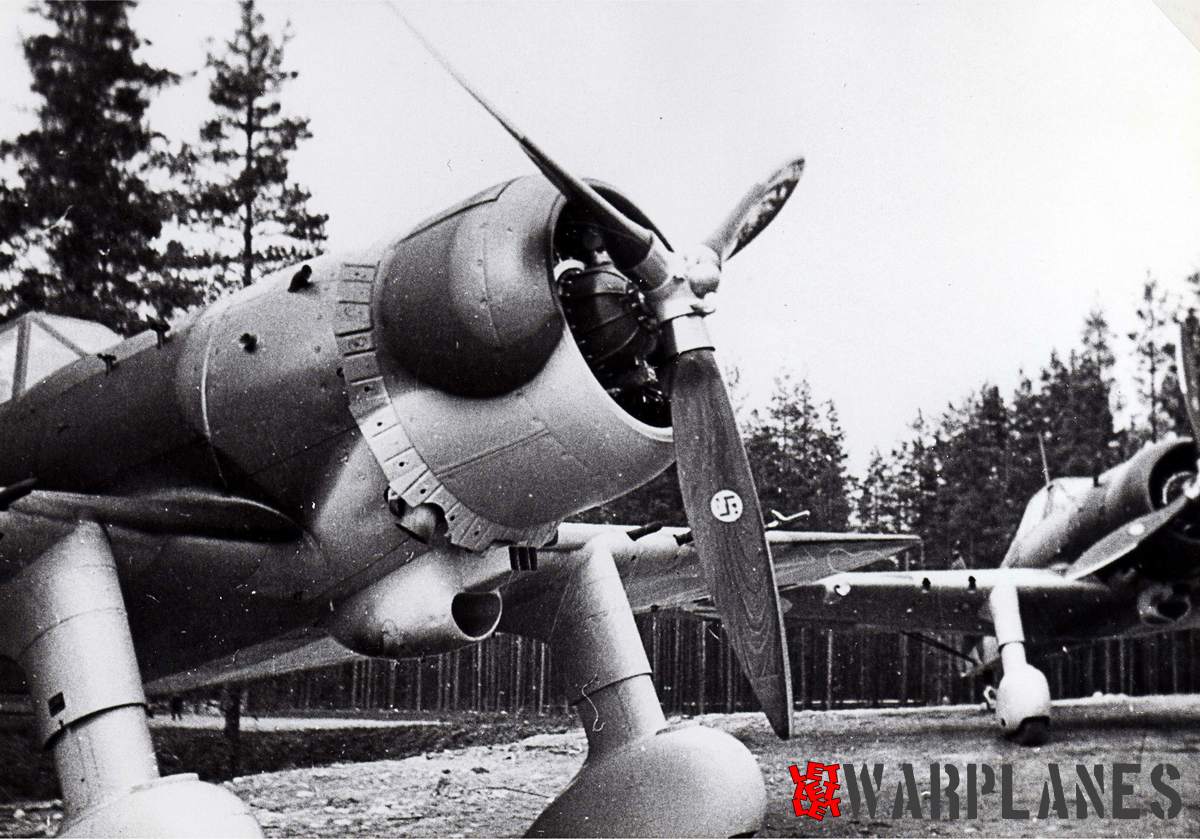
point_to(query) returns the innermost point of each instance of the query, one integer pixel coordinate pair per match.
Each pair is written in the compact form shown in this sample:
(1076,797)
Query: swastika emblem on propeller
(726,505)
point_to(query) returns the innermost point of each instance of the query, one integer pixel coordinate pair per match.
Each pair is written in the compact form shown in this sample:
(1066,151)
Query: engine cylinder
(612,324)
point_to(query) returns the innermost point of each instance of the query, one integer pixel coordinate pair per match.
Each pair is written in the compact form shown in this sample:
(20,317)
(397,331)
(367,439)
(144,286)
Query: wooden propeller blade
(1189,366)
(756,210)
(723,511)
(636,242)
(1125,539)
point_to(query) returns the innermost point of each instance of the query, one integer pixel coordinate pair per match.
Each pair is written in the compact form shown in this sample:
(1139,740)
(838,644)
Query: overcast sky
(979,175)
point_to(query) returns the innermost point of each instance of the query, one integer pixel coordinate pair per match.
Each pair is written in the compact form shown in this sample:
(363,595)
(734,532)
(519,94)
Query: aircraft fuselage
(338,405)
(1158,577)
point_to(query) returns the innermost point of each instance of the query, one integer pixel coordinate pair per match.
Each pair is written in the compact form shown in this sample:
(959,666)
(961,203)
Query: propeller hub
(685,333)
(703,270)
(691,276)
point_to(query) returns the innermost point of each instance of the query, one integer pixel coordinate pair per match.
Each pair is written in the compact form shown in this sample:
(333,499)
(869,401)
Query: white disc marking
(726,505)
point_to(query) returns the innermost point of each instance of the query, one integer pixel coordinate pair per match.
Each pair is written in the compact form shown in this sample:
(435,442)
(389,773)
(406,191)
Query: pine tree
(918,482)
(1075,415)
(1177,406)
(1095,444)
(1072,412)
(976,510)
(877,507)
(239,183)
(1157,381)
(1030,437)
(833,481)
(963,485)
(797,453)
(79,222)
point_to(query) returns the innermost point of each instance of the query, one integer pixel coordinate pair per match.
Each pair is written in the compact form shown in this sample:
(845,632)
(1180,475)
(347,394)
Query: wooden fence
(696,673)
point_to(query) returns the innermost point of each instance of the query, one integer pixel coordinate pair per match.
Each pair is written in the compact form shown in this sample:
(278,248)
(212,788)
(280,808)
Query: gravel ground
(1105,730)
(477,791)
(213,722)
(497,790)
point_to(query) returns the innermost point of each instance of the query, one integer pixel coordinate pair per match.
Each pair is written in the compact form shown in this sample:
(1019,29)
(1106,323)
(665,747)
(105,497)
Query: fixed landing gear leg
(641,777)
(1023,698)
(63,620)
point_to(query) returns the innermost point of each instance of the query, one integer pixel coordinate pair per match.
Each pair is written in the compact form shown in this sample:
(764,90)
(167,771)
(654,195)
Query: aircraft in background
(380,449)
(1093,557)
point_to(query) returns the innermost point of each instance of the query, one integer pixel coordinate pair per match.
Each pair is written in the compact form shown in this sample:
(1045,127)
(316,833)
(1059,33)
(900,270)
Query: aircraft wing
(662,576)
(660,573)
(304,649)
(946,601)
(182,512)
(657,571)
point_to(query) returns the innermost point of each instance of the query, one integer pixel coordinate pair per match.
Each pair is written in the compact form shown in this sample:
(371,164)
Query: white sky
(979,175)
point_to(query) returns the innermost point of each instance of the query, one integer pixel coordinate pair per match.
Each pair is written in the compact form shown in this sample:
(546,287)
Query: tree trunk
(828,669)
(477,693)
(248,203)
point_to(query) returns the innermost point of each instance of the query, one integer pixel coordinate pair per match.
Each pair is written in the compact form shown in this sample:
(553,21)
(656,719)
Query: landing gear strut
(1023,698)
(642,777)
(63,620)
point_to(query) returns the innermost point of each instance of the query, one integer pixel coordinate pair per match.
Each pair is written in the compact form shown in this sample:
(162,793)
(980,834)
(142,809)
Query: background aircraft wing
(945,601)
(802,557)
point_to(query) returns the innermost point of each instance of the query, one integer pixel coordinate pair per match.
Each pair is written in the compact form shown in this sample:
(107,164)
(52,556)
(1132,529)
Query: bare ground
(499,788)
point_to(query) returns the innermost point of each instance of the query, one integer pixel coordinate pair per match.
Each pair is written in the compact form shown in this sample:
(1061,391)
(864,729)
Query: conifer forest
(155,226)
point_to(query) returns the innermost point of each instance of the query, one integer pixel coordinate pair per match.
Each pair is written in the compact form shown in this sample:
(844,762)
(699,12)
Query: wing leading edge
(948,601)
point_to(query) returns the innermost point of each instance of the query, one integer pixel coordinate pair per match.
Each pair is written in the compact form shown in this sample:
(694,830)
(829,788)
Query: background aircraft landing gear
(642,777)
(63,619)
(1023,698)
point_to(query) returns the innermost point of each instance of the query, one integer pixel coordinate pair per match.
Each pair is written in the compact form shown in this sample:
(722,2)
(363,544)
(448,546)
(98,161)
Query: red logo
(815,790)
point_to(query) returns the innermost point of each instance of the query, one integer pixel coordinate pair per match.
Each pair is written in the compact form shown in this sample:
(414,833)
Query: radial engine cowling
(1148,481)
(419,609)
(489,411)
(466,303)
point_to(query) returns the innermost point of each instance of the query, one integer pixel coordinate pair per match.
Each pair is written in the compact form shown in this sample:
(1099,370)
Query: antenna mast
(1045,464)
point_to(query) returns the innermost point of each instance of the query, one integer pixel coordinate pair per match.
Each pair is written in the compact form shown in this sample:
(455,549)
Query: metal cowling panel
(370,403)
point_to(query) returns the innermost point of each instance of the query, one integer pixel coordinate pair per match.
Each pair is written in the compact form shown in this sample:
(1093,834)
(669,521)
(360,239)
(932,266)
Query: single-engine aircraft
(1093,557)
(381,449)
